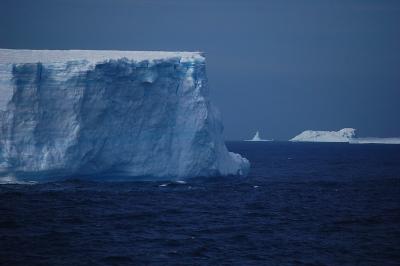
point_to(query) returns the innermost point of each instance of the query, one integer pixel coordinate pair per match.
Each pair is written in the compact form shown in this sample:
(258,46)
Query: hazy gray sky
(276,66)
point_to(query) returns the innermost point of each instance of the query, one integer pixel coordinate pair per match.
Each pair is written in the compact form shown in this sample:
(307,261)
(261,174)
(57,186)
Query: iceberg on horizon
(347,135)
(128,114)
(375,141)
(258,138)
(343,135)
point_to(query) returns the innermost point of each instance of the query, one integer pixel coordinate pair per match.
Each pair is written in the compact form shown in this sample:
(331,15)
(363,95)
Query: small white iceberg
(347,135)
(258,138)
(343,135)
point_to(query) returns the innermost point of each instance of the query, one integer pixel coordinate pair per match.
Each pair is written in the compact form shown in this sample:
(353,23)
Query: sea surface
(302,204)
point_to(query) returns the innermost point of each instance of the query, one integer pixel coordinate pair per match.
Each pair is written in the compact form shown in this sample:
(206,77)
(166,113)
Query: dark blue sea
(302,204)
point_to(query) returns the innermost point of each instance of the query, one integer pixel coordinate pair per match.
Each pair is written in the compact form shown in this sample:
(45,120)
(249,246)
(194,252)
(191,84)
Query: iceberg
(258,138)
(119,114)
(375,141)
(343,135)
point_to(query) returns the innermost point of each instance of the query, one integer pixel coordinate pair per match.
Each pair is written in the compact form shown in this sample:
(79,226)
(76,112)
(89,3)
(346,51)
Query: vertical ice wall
(109,113)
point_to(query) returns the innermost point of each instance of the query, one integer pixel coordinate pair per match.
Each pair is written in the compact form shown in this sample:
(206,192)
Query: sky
(278,66)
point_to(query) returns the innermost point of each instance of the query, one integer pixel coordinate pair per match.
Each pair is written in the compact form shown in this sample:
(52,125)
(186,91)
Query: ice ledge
(16,56)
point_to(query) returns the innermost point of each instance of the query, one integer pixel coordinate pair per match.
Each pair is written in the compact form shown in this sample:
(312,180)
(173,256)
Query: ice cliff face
(343,135)
(109,113)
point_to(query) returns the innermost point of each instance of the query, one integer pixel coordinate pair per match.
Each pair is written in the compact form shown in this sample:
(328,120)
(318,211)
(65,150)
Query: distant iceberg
(375,141)
(258,138)
(347,135)
(343,135)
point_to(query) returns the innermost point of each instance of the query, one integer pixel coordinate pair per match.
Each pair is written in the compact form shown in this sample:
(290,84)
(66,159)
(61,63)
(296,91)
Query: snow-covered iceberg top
(343,135)
(257,138)
(12,56)
(131,115)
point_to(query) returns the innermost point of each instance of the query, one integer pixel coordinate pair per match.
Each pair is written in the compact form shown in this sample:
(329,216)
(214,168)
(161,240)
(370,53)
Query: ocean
(302,204)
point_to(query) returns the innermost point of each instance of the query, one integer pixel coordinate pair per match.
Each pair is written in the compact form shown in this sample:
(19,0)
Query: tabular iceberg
(143,115)
(343,135)
(375,141)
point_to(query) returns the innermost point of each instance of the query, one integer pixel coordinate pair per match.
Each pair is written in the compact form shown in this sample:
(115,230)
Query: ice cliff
(123,114)
(343,135)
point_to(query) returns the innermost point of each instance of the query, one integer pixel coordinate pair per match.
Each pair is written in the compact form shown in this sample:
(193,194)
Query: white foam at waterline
(8,180)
